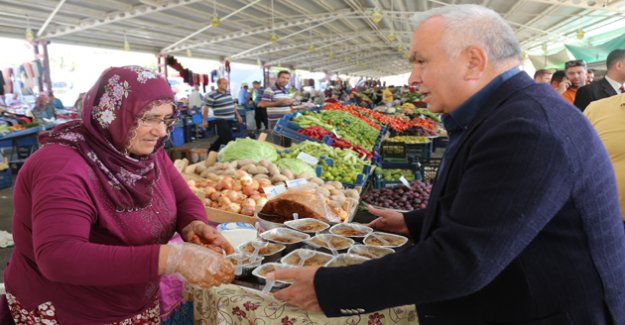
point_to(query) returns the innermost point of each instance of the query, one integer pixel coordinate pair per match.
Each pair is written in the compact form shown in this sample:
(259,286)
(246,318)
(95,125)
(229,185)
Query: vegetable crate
(5,178)
(430,169)
(288,129)
(361,178)
(419,151)
(411,166)
(395,151)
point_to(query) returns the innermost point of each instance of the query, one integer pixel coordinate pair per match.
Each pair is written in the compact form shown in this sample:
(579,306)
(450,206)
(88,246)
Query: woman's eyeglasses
(153,121)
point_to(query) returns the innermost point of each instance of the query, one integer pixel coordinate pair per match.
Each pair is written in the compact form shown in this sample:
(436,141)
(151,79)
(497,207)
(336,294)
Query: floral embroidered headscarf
(110,115)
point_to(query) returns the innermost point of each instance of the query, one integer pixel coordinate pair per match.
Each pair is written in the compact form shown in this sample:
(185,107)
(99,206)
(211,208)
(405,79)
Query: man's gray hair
(473,25)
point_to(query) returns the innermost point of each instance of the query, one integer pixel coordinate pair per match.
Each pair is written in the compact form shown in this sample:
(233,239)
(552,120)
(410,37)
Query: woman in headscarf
(95,207)
(44,108)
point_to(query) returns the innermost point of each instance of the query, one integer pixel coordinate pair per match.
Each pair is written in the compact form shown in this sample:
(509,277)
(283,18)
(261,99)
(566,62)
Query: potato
(199,169)
(248,168)
(211,159)
(259,170)
(324,191)
(241,163)
(213,176)
(304,175)
(274,170)
(260,176)
(287,173)
(351,193)
(317,180)
(337,185)
(265,163)
(278,179)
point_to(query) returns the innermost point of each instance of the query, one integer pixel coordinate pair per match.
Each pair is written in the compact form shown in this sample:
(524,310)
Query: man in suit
(610,85)
(523,224)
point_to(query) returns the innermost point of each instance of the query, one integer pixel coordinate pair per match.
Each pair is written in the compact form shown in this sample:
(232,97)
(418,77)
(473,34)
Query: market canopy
(357,37)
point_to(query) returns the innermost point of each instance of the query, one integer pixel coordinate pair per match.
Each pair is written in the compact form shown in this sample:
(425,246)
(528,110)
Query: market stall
(308,204)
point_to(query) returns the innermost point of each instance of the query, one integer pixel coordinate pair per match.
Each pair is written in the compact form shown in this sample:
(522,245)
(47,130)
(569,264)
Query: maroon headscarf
(110,115)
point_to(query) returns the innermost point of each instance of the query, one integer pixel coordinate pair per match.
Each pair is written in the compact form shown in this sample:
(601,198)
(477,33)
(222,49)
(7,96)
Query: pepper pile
(319,133)
(376,119)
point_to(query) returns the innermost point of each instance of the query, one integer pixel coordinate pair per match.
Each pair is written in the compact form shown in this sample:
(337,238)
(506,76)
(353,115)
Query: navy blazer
(522,227)
(597,90)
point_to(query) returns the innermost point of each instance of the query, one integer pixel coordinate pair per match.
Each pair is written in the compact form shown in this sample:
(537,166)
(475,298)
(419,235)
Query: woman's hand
(198,232)
(388,220)
(198,266)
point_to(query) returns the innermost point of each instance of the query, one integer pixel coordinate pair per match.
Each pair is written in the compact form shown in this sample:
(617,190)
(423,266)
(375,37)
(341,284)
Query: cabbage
(247,149)
(296,166)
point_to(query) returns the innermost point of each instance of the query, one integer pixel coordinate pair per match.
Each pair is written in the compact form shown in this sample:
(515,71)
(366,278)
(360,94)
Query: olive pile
(401,197)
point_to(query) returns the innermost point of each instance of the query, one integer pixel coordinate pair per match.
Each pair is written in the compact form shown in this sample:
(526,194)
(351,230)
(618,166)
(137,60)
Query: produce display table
(237,304)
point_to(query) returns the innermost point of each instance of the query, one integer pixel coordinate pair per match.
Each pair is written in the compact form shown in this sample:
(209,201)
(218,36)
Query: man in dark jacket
(523,223)
(610,85)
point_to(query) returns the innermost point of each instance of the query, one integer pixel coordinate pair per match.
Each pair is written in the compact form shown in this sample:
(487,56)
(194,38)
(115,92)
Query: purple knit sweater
(72,248)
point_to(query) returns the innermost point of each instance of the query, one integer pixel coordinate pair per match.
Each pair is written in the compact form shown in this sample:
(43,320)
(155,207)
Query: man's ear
(476,62)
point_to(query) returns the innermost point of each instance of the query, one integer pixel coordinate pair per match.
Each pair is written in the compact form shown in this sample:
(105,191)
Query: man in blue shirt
(522,225)
(222,104)
(260,113)
(244,96)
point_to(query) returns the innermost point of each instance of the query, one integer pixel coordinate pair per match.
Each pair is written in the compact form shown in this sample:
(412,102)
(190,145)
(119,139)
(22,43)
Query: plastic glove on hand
(200,233)
(199,266)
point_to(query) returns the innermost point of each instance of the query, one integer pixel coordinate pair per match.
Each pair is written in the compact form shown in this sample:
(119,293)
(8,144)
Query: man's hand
(205,123)
(388,220)
(239,119)
(301,293)
(564,85)
(198,232)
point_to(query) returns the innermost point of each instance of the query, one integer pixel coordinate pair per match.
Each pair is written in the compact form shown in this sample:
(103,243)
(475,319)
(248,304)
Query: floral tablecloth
(233,304)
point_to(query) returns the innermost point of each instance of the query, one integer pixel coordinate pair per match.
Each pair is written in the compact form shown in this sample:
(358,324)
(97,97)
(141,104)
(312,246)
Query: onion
(209,190)
(226,183)
(231,194)
(236,185)
(264,182)
(224,201)
(233,207)
(246,180)
(249,203)
(249,191)
(215,196)
(261,202)
(255,184)
(240,173)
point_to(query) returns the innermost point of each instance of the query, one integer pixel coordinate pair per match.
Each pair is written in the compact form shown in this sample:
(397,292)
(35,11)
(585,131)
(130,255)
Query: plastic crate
(414,166)
(177,136)
(361,179)
(393,150)
(421,152)
(5,178)
(429,170)
(288,129)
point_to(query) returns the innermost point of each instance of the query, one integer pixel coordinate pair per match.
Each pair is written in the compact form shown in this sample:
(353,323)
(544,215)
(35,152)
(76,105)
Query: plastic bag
(304,200)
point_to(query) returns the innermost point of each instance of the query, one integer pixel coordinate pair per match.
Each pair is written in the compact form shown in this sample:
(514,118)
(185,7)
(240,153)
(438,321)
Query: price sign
(272,191)
(296,182)
(404,181)
(307,158)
